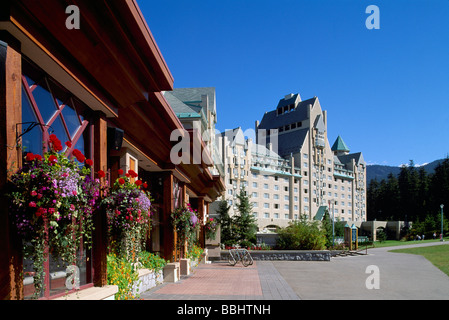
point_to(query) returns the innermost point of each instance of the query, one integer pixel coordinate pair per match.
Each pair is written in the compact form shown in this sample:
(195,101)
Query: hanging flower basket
(52,199)
(186,224)
(128,207)
(210,228)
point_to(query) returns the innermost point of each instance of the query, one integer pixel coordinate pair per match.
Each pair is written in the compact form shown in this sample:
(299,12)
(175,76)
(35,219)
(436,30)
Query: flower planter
(147,279)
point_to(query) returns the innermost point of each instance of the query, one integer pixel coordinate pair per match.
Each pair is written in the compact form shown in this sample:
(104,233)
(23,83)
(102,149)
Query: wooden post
(168,245)
(11,284)
(201,214)
(100,239)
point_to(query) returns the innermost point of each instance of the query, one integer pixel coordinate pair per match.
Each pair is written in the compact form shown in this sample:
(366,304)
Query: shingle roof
(270,120)
(192,96)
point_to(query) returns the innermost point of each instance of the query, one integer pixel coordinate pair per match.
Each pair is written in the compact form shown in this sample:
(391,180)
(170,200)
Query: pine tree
(244,221)
(227,229)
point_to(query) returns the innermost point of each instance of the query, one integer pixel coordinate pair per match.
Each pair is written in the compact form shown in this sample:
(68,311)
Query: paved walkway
(220,281)
(401,276)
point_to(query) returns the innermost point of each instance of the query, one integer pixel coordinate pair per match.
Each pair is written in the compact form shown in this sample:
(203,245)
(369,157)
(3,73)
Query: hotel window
(286,216)
(254,184)
(265,186)
(255,195)
(48,108)
(266,195)
(266,215)
(276,215)
(286,207)
(276,206)
(275,196)
(266,205)
(276,187)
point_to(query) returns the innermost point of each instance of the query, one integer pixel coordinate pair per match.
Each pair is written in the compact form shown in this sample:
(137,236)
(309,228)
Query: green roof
(320,213)
(340,145)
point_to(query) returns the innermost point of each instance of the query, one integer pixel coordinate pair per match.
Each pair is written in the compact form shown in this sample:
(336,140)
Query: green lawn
(391,243)
(438,255)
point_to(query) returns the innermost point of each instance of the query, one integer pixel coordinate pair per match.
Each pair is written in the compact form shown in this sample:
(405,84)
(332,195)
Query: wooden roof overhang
(113,56)
(115,59)
(203,183)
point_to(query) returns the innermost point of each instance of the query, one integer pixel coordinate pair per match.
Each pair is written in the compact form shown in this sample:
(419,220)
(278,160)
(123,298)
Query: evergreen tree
(246,226)
(227,232)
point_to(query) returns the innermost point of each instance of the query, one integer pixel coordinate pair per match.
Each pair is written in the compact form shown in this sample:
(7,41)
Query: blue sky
(386,91)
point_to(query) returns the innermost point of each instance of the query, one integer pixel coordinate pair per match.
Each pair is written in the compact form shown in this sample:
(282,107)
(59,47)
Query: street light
(441,237)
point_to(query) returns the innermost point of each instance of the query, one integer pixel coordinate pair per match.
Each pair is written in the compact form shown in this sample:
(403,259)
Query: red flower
(145,185)
(89,162)
(120,171)
(79,156)
(132,173)
(68,144)
(30,157)
(41,211)
(38,157)
(138,182)
(101,173)
(32,204)
(55,142)
(121,181)
(33,193)
(52,159)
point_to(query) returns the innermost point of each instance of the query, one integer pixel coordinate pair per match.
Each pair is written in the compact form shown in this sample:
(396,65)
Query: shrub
(151,261)
(301,235)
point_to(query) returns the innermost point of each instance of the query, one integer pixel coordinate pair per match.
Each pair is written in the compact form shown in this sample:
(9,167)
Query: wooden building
(95,81)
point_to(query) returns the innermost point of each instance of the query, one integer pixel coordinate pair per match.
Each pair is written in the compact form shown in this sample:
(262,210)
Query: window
(276,206)
(266,215)
(265,185)
(53,108)
(255,195)
(275,196)
(276,215)
(266,195)
(254,184)
(266,205)
(276,187)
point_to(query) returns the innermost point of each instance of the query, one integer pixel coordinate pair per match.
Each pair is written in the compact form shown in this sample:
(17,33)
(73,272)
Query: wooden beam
(11,269)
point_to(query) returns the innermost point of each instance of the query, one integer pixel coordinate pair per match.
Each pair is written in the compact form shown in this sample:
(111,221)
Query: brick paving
(220,281)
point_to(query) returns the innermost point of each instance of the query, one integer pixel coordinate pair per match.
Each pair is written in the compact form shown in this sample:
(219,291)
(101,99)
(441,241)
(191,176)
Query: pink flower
(72,207)
(33,193)
(32,204)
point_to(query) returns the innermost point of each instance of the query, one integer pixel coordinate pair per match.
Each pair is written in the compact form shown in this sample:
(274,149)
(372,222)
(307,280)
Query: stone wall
(147,280)
(288,255)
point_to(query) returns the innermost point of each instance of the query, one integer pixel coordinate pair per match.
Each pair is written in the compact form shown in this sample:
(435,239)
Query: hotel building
(291,171)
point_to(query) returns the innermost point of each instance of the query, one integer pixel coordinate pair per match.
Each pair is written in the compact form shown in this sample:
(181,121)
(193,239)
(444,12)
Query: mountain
(380,172)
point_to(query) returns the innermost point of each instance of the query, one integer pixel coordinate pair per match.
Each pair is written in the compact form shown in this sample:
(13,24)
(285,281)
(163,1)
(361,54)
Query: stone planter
(147,279)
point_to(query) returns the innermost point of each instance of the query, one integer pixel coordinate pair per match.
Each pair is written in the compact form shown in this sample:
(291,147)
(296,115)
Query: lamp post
(441,237)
